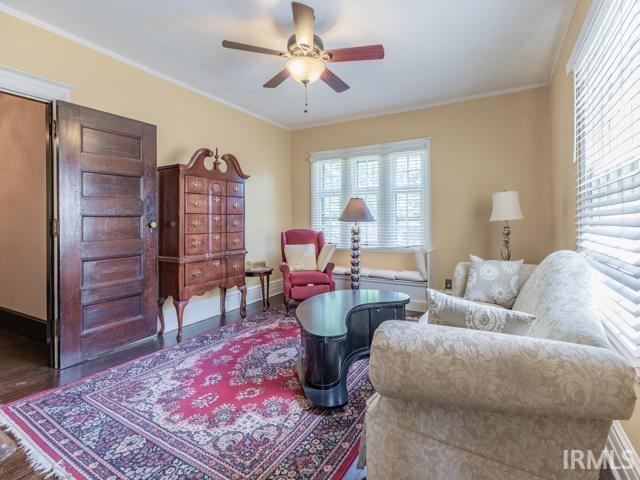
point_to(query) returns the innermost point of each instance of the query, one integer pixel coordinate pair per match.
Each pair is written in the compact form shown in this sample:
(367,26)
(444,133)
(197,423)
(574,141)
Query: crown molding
(423,106)
(132,63)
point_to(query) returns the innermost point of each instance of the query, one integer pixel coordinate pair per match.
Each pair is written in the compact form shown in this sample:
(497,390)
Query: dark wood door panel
(109,185)
(104,142)
(95,272)
(113,206)
(111,312)
(108,252)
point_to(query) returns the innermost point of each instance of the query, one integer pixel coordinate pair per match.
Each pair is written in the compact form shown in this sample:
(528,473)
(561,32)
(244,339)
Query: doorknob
(153,225)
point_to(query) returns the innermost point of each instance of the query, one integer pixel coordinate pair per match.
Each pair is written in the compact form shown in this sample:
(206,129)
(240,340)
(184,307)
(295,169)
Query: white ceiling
(436,50)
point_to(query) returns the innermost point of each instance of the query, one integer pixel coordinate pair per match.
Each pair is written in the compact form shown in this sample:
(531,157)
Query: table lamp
(506,207)
(356,211)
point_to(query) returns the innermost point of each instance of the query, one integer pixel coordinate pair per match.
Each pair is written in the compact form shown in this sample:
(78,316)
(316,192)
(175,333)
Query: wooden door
(107,242)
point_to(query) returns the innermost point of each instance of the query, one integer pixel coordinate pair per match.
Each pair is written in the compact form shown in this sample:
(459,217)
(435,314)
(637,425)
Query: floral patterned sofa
(458,404)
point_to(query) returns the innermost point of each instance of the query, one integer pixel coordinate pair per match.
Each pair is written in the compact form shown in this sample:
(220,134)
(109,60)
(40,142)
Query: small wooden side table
(262,272)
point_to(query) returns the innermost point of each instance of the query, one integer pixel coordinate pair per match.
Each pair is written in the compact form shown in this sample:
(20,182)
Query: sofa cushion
(382,273)
(302,292)
(561,292)
(457,312)
(411,275)
(493,281)
(308,277)
(301,256)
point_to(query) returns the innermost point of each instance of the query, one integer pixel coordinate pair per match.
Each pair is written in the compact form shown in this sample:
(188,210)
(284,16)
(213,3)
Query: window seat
(412,282)
(407,275)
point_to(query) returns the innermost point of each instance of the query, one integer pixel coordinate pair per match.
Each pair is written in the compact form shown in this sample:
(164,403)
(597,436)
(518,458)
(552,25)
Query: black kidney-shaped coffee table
(337,329)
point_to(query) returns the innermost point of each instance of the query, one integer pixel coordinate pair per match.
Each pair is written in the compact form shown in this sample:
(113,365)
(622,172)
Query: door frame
(31,87)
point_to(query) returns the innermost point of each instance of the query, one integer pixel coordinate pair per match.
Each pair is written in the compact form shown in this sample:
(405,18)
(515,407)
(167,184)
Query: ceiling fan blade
(333,81)
(278,79)
(251,48)
(303,18)
(354,54)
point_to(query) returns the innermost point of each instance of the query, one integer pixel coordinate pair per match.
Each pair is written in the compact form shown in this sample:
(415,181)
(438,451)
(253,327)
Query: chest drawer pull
(216,236)
(196,273)
(216,199)
(236,266)
(196,183)
(196,223)
(197,203)
(236,204)
(196,243)
(216,218)
(236,241)
(236,223)
(236,188)
(216,263)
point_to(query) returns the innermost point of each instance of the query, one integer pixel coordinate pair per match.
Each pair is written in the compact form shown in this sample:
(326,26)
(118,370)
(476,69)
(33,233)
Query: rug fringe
(39,460)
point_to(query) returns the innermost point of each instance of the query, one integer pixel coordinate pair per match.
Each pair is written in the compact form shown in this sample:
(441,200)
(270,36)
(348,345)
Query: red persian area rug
(223,405)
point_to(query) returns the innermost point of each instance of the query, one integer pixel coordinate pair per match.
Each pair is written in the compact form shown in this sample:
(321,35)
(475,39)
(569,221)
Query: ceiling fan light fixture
(305,70)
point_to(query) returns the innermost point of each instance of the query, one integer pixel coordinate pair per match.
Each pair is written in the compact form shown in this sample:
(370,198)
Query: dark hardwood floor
(24,371)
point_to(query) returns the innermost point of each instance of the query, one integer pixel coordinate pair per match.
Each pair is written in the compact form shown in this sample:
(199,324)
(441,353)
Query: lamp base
(355,257)
(505,250)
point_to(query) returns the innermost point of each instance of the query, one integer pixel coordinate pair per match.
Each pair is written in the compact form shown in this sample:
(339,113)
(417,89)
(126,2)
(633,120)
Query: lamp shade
(506,206)
(356,211)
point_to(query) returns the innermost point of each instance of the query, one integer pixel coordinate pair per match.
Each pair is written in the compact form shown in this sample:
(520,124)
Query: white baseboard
(620,443)
(416,290)
(208,305)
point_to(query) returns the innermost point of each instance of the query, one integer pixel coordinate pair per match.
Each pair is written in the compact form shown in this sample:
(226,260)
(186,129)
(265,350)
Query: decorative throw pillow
(301,257)
(324,258)
(457,312)
(493,281)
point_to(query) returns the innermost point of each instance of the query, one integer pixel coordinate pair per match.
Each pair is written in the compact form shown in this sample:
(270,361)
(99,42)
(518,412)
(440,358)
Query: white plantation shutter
(607,143)
(392,178)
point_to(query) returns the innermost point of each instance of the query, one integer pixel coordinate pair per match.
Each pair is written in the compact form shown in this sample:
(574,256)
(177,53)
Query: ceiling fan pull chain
(306,99)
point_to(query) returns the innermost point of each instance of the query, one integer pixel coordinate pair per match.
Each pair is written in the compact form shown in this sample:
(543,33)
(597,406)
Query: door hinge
(54,128)
(55,227)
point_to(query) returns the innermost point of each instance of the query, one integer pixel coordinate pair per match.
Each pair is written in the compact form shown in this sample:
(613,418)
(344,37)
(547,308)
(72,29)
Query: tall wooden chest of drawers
(201,230)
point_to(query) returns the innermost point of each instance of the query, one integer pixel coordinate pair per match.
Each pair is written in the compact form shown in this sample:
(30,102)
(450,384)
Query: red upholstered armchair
(301,285)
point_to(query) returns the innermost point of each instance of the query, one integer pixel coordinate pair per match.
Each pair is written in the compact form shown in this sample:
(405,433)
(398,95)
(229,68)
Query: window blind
(607,150)
(393,181)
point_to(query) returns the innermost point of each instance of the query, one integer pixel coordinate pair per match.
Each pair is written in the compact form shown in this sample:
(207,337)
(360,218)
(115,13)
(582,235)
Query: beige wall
(185,121)
(23,218)
(477,147)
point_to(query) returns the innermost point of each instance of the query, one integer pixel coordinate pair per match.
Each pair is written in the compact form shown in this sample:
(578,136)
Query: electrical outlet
(447,284)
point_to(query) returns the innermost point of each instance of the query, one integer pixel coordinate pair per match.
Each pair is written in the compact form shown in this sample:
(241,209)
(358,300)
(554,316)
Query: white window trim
(27,85)
(387,147)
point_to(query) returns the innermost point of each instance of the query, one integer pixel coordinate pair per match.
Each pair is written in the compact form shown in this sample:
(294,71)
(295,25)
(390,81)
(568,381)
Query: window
(392,179)
(607,145)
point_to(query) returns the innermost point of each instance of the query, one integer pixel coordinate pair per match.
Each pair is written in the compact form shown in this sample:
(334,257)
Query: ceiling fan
(307,55)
